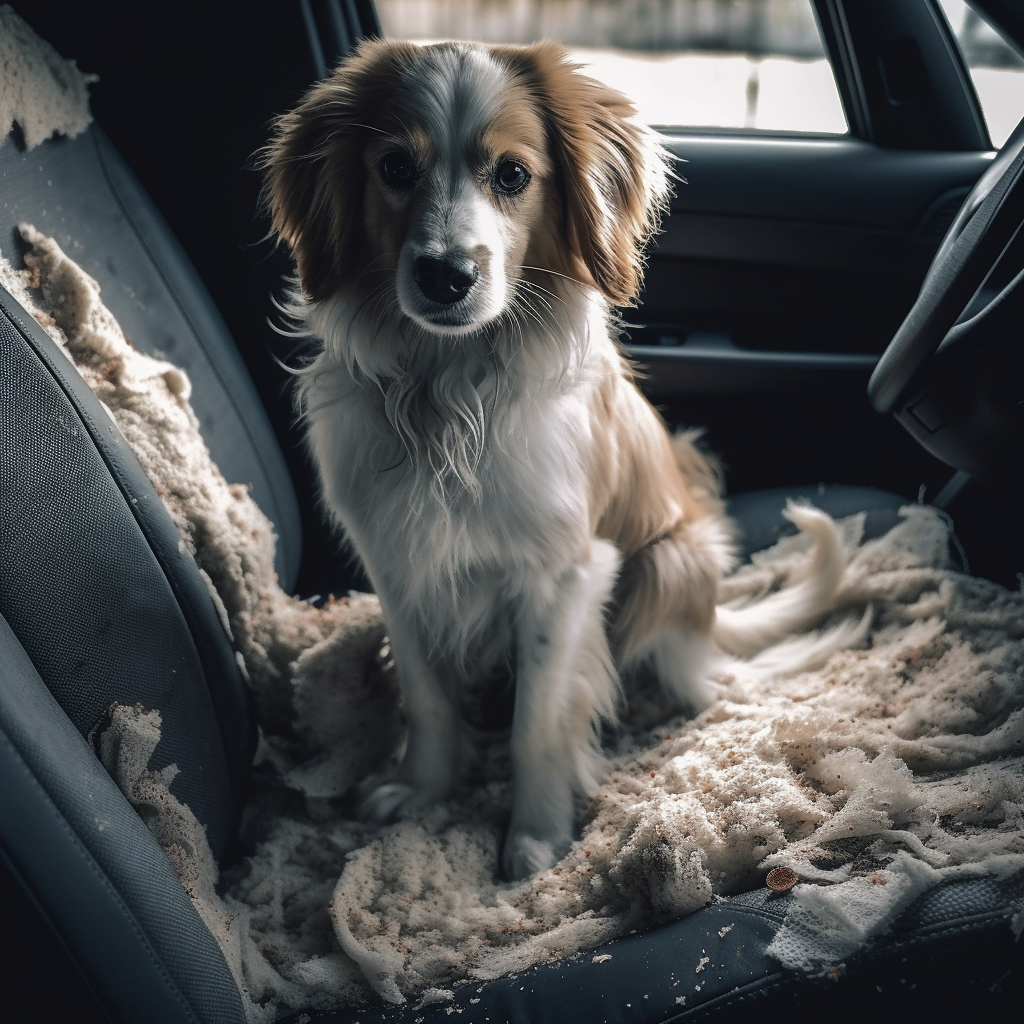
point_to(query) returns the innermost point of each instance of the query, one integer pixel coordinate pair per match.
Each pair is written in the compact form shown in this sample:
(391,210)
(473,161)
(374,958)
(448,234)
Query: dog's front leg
(565,681)
(433,745)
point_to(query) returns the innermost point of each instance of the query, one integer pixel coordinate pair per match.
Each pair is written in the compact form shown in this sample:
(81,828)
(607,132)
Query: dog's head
(440,182)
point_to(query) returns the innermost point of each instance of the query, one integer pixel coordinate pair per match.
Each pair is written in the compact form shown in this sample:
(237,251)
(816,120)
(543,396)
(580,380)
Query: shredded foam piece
(125,744)
(896,764)
(40,91)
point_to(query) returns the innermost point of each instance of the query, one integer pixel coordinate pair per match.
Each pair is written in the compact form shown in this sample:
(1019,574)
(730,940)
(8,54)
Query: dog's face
(442,183)
(456,177)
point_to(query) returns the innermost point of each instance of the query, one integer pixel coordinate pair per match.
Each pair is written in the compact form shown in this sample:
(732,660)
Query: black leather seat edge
(88,862)
(951,951)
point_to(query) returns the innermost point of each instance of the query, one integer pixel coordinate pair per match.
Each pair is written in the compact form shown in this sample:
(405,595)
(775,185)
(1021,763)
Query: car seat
(99,603)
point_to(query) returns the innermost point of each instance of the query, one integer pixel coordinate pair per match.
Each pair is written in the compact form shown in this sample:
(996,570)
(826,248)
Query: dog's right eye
(397,170)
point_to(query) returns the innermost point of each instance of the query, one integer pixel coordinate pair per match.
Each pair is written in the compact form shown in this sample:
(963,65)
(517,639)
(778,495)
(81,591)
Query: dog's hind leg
(565,683)
(683,663)
(665,610)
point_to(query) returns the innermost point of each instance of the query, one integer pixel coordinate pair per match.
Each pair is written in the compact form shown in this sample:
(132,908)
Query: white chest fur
(455,515)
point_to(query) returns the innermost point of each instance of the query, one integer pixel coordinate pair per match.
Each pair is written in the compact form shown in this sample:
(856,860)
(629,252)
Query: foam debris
(40,91)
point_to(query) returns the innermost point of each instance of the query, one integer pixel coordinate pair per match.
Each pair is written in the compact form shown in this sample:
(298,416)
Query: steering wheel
(987,222)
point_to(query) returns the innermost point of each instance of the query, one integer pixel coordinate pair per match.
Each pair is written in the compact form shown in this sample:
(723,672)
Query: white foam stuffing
(893,766)
(40,91)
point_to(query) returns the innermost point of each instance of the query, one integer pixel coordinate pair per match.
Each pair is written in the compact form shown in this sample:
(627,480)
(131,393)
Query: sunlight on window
(754,64)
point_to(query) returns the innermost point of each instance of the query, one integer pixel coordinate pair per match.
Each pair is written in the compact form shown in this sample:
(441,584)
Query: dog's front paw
(525,855)
(391,802)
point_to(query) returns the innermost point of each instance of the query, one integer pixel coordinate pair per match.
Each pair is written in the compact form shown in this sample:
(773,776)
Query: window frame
(935,109)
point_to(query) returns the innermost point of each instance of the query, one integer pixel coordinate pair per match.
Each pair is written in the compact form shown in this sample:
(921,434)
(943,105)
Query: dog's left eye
(398,170)
(510,178)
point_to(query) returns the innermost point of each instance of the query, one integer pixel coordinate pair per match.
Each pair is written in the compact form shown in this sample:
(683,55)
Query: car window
(996,68)
(741,64)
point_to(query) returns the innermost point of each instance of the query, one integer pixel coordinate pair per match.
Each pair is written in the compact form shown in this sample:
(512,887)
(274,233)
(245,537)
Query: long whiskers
(529,293)
(553,273)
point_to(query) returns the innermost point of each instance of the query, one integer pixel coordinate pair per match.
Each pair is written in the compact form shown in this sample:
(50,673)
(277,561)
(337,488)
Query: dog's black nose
(445,279)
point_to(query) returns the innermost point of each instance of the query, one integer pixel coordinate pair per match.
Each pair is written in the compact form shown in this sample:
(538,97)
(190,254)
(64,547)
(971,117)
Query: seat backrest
(81,193)
(100,603)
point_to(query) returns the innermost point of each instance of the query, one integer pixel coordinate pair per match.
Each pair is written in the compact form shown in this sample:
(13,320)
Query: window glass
(996,68)
(697,63)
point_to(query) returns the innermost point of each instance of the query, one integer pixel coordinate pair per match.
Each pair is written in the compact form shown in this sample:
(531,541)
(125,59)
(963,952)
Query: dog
(465,220)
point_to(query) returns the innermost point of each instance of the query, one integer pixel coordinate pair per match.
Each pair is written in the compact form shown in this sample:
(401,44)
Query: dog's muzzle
(445,279)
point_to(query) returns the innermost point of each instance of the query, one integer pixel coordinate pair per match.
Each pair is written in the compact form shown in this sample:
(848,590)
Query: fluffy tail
(744,632)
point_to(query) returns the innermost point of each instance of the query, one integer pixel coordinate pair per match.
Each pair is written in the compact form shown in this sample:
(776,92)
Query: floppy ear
(314,175)
(614,173)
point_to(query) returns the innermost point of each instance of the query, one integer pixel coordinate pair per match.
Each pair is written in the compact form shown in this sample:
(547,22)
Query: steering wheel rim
(987,221)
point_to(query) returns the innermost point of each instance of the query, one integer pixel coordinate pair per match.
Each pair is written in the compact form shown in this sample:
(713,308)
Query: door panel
(784,268)
(788,262)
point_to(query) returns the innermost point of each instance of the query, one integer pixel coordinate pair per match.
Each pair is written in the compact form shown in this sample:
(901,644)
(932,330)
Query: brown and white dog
(464,220)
